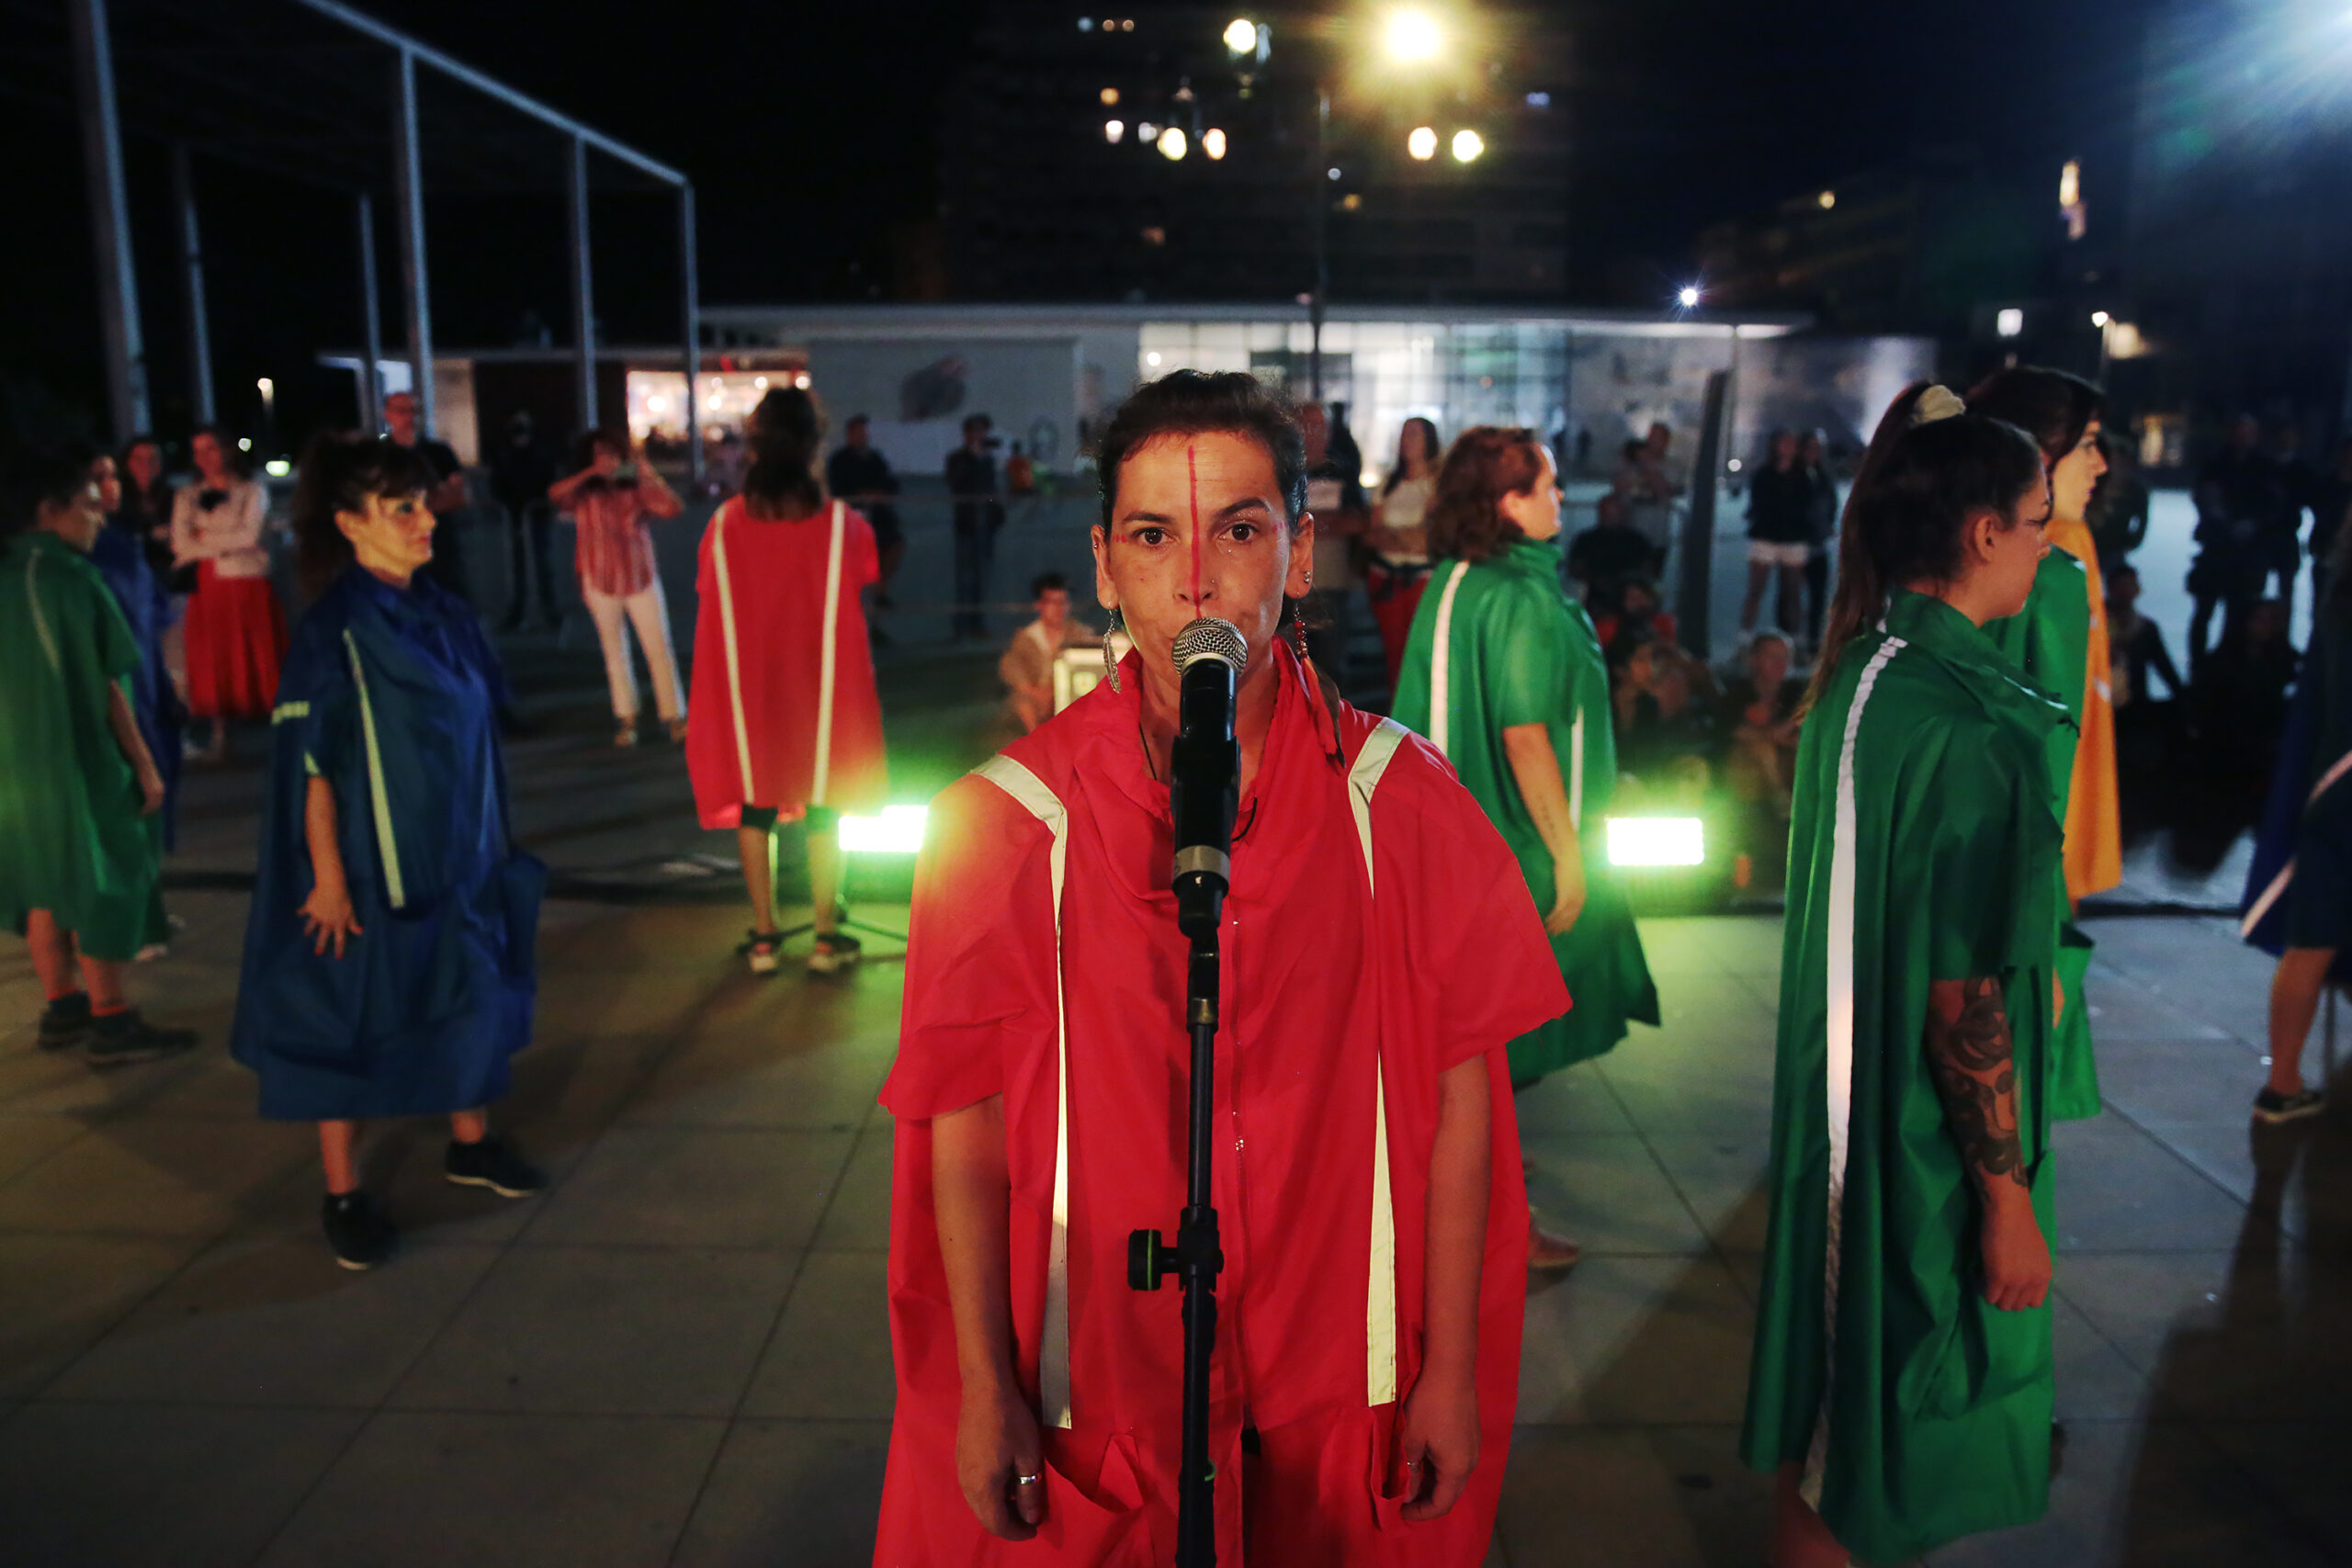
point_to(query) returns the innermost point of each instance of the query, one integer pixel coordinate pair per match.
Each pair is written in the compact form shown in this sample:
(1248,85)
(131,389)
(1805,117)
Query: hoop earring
(1110,662)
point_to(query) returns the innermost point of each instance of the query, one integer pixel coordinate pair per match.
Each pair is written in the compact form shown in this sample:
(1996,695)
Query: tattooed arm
(1970,1055)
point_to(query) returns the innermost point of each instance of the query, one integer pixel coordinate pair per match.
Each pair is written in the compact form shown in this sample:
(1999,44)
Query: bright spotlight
(1656,841)
(278,467)
(656,403)
(2099,318)
(1213,142)
(266,386)
(1422,143)
(897,831)
(1114,131)
(1152,359)
(759,383)
(244,442)
(801,380)
(1827,199)
(1689,296)
(1413,38)
(1467,145)
(1110,95)
(1241,35)
(1147,132)
(1171,142)
(2009,322)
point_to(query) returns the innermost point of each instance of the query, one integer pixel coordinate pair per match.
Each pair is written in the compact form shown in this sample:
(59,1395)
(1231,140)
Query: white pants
(650,615)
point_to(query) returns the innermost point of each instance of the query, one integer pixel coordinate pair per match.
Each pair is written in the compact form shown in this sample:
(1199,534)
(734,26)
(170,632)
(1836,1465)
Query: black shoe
(491,1164)
(2273,1107)
(357,1230)
(835,951)
(65,1022)
(125,1036)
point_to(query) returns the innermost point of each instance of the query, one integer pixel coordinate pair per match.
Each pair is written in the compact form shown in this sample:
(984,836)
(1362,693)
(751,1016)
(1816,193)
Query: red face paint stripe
(1192,484)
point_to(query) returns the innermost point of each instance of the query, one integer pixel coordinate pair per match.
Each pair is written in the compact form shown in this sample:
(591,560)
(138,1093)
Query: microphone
(1205,780)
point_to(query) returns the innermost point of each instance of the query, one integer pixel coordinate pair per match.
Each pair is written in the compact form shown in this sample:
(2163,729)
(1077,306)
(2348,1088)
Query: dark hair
(978,422)
(585,445)
(33,478)
(339,473)
(1429,434)
(1916,491)
(2050,406)
(855,419)
(231,454)
(1045,583)
(1486,462)
(1196,402)
(786,433)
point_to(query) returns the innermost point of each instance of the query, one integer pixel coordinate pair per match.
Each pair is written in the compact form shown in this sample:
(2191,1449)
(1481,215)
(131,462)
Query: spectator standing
(785,723)
(1335,499)
(447,496)
(1505,675)
(521,469)
(120,553)
(390,964)
(77,864)
(2120,508)
(1821,512)
(610,499)
(147,503)
(2294,480)
(1645,489)
(235,628)
(1399,564)
(859,475)
(1347,457)
(1780,531)
(980,514)
(2330,510)
(2236,494)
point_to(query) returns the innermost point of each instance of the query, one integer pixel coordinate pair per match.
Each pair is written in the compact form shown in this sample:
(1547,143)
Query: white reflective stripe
(2278,887)
(822,775)
(40,621)
(385,843)
(1442,660)
(1380,1286)
(1841,1053)
(1576,772)
(285,711)
(1053,1345)
(734,659)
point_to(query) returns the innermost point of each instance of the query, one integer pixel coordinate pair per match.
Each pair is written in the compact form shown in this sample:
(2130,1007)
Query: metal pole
(408,189)
(199,336)
(1320,298)
(584,297)
(371,331)
(691,302)
(126,348)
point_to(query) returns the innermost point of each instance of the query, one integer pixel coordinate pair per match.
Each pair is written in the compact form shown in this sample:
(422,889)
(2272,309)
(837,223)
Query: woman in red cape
(1380,951)
(783,722)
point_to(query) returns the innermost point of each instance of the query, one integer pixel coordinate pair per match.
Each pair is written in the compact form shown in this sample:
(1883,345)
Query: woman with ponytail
(1901,1386)
(2061,641)
(783,722)
(389,953)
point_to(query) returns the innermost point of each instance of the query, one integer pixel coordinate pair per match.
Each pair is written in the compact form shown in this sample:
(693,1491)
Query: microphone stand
(1205,784)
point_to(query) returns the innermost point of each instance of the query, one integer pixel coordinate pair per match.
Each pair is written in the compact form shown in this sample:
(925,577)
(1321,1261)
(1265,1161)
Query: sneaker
(125,1036)
(761,948)
(65,1022)
(2273,1107)
(491,1164)
(625,736)
(834,954)
(677,728)
(1549,1252)
(357,1230)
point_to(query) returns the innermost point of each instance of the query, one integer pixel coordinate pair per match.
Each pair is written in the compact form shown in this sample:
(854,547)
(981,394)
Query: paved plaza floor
(679,1354)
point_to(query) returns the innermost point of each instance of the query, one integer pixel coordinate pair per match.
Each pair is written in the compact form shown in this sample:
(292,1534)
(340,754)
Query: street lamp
(1467,145)
(1171,142)
(1114,131)
(1213,143)
(1689,297)
(1241,35)
(1412,37)
(1422,143)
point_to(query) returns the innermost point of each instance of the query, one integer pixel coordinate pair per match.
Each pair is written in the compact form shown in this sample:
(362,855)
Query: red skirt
(236,639)
(1395,596)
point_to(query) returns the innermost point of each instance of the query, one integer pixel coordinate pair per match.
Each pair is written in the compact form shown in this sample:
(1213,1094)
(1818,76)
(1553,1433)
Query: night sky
(810,133)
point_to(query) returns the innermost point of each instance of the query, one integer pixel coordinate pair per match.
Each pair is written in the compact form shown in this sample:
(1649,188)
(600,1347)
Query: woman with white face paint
(1902,1381)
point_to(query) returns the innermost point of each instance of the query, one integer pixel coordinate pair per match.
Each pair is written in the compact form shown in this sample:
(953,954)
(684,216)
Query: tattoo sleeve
(1970,1055)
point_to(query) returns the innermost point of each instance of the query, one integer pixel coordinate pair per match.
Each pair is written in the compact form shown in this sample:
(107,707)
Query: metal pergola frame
(327,154)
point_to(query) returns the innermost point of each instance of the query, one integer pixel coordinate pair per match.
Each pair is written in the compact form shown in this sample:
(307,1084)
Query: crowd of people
(1424,894)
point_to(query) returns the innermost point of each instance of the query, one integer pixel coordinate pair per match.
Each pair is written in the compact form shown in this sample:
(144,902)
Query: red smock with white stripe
(1378,932)
(783,711)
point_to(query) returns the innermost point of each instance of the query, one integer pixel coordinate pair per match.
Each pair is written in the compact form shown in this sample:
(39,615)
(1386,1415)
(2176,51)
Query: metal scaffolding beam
(371,334)
(691,312)
(126,346)
(200,331)
(408,187)
(583,292)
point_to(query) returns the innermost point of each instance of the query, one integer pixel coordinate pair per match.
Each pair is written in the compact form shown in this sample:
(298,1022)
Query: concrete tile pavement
(680,1354)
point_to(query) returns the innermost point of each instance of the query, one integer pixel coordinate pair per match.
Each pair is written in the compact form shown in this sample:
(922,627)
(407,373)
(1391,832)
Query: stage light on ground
(2099,319)
(1241,35)
(1689,296)
(244,442)
(1654,840)
(1171,143)
(2008,322)
(1114,131)
(1422,143)
(1213,142)
(897,831)
(1467,145)
(1412,37)
(278,467)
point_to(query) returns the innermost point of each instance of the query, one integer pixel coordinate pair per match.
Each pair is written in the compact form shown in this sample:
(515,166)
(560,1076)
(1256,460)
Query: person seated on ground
(1635,618)
(1027,667)
(78,865)
(1757,721)
(1607,556)
(2146,729)
(2136,646)
(1666,728)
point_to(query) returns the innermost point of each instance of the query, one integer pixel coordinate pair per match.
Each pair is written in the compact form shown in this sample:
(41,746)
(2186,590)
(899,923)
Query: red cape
(1340,1007)
(761,692)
